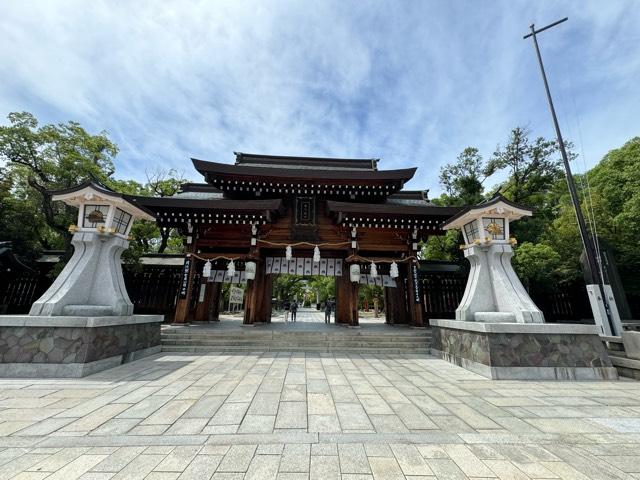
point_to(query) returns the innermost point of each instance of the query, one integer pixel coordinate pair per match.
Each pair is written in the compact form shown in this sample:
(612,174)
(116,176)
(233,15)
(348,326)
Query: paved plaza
(311,315)
(299,416)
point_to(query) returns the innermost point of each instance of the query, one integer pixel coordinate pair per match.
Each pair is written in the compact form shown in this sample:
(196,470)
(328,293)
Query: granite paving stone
(304,415)
(237,459)
(296,458)
(201,467)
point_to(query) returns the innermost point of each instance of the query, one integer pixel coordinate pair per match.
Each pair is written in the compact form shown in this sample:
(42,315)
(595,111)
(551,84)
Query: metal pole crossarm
(535,32)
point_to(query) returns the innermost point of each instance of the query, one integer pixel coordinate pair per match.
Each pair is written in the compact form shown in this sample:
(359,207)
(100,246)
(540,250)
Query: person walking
(294,310)
(287,305)
(327,311)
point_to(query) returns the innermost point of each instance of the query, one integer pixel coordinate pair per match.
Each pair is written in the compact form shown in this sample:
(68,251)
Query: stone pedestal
(518,351)
(631,342)
(46,346)
(493,292)
(91,284)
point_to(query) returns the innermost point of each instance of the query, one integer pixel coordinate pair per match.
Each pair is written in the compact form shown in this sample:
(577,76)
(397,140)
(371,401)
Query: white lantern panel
(471,231)
(494,227)
(94,215)
(121,220)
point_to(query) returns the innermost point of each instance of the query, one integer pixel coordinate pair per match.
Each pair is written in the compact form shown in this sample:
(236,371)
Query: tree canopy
(41,158)
(550,245)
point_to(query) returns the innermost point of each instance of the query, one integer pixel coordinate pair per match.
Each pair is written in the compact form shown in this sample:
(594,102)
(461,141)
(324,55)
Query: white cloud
(411,82)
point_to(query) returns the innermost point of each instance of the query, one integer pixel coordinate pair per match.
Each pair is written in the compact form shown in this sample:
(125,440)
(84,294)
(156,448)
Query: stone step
(391,340)
(395,345)
(627,367)
(230,349)
(300,338)
(293,336)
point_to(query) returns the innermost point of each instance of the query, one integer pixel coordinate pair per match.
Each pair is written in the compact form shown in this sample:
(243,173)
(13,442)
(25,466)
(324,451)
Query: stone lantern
(84,322)
(91,283)
(498,331)
(494,293)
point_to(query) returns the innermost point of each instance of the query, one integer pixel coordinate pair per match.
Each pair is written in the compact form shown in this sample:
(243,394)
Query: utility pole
(598,294)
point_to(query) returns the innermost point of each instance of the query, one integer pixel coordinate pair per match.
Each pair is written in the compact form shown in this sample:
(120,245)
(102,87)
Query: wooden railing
(18,292)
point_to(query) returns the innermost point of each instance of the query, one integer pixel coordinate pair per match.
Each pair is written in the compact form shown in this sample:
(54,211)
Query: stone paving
(311,315)
(303,416)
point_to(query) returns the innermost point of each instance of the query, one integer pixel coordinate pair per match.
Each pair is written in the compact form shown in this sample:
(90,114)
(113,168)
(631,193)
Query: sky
(410,82)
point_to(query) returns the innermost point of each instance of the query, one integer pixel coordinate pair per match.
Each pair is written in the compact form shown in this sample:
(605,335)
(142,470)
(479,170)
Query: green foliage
(444,247)
(287,287)
(550,243)
(532,166)
(463,179)
(535,263)
(42,158)
(610,196)
(324,288)
(17,220)
(368,294)
(50,157)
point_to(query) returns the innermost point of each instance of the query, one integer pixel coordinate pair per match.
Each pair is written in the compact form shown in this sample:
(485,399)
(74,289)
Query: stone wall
(64,345)
(523,349)
(535,351)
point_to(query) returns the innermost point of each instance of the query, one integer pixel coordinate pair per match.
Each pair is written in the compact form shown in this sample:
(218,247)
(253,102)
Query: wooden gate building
(346,210)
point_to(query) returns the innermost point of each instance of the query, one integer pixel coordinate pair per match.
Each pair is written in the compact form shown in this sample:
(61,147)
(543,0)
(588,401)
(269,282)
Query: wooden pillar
(355,291)
(249,299)
(265,306)
(257,307)
(414,295)
(346,300)
(213,305)
(396,303)
(185,290)
(203,299)
(342,312)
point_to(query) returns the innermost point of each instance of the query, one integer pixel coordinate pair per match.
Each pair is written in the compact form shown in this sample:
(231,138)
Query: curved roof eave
(208,168)
(210,204)
(391,209)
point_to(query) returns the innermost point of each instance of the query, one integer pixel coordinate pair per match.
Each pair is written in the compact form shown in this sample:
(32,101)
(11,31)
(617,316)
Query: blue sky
(410,82)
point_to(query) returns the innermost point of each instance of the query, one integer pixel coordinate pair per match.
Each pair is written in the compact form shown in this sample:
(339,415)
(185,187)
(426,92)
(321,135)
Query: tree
(463,179)
(18,223)
(535,263)
(165,183)
(610,200)
(324,287)
(444,247)
(370,296)
(52,157)
(531,166)
(287,287)
(40,159)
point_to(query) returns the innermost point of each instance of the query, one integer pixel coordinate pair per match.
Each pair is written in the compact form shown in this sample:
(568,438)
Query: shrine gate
(266,215)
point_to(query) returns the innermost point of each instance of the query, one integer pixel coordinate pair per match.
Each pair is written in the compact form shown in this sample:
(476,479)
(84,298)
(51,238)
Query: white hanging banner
(222,276)
(380,280)
(323,267)
(387,281)
(331,267)
(327,267)
(275,266)
(236,295)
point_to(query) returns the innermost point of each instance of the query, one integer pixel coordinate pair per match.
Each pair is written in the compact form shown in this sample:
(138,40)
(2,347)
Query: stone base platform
(61,346)
(524,351)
